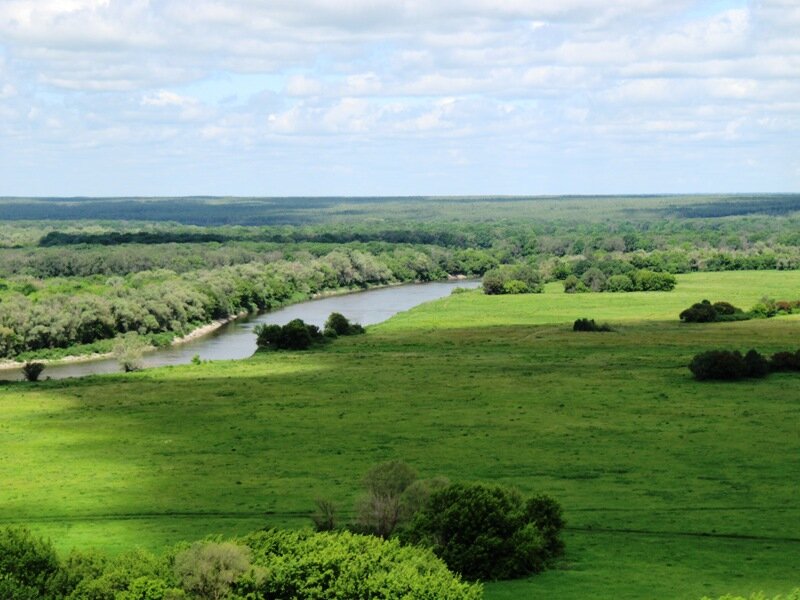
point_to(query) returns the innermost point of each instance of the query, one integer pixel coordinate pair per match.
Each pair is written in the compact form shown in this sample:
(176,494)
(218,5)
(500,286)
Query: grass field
(672,488)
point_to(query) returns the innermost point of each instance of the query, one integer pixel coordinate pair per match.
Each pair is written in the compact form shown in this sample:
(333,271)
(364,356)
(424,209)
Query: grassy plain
(672,488)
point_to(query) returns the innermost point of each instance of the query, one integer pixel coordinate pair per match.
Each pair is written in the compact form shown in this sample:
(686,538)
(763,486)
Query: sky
(398,97)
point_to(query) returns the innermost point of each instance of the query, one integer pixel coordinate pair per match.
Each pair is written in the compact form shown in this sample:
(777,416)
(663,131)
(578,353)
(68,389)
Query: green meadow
(672,488)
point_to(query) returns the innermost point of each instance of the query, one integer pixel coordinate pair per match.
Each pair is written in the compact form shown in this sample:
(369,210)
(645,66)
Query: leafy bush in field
(731,365)
(785,361)
(302,564)
(295,335)
(512,279)
(337,324)
(489,532)
(755,365)
(706,312)
(590,325)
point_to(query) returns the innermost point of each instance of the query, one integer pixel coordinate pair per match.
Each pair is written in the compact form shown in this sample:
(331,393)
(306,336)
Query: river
(236,340)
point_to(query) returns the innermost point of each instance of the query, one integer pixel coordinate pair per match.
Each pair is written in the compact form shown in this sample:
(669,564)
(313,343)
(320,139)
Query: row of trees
(729,365)
(642,280)
(164,302)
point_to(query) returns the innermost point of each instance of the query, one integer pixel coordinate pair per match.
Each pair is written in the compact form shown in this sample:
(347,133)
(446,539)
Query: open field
(672,488)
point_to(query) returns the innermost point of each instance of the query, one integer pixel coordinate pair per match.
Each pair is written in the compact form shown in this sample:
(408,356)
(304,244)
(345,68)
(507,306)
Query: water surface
(236,339)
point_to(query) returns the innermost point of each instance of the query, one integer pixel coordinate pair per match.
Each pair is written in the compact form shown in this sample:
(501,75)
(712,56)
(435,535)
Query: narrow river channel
(236,340)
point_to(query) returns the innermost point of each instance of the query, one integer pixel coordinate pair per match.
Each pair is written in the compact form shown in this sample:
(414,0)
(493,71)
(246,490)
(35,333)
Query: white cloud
(563,74)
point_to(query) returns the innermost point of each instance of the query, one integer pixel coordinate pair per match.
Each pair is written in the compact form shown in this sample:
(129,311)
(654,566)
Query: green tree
(488,532)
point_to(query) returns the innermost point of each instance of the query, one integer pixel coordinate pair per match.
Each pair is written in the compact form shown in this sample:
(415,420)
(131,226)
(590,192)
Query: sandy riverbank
(79,358)
(204,329)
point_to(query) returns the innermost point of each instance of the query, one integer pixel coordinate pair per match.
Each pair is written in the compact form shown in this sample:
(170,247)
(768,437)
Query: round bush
(719,364)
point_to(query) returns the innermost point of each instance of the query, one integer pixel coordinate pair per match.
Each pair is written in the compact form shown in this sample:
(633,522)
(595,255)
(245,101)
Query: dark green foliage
(701,312)
(590,325)
(731,365)
(31,370)
(28,565)
(295,335)
(488,532)
(718,364)
(755,365)
(785,361)
(512,279)
(725,308)
(337,324)
(548,516)
(706,312)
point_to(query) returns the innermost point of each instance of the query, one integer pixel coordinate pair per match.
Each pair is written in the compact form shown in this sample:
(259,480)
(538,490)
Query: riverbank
(210,328)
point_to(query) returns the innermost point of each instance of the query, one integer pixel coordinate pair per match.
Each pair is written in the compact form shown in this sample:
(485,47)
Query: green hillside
(672,488)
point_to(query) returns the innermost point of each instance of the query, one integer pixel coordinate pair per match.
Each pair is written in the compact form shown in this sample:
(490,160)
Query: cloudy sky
(362,97)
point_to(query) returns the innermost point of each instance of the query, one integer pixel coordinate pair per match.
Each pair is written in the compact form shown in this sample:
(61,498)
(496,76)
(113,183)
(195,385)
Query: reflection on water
(236,339)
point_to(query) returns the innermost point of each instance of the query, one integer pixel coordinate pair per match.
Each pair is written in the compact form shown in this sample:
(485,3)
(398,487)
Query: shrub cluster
(706,312)
(266,564)
(295,335)
(642,280)
(732,365)
(489,532)
(512,279)
(337,324)
(299,335)
(590,325)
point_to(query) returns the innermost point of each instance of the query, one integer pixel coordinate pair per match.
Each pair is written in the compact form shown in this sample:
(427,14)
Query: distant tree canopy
(512,279)
(594,279)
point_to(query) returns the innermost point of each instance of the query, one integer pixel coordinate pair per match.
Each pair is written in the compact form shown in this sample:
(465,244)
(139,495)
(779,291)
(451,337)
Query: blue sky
(366,97)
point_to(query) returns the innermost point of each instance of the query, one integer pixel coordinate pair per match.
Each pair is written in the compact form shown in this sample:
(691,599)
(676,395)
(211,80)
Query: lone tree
(128,350)
(381,509)
(32,370)
(489,532)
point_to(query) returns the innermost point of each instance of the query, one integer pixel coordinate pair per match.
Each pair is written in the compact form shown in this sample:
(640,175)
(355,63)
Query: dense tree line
(162,301)
(641,280)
